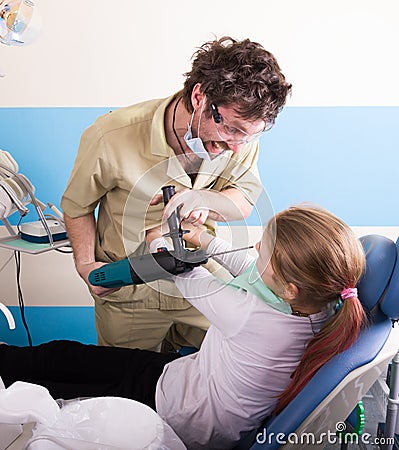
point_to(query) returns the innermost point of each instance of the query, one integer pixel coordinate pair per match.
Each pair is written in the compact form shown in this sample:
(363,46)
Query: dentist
(202,140)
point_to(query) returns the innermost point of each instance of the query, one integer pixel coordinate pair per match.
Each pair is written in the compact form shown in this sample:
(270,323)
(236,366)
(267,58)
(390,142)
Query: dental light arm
(15,16)
(152,266)
(19,23)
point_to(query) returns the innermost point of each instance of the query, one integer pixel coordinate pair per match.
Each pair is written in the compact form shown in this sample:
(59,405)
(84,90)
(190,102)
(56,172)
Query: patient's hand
(199,235)
(153,233)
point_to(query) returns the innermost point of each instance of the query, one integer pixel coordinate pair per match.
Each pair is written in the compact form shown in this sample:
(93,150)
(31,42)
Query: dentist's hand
(84,270)
(192,206)
(197,205)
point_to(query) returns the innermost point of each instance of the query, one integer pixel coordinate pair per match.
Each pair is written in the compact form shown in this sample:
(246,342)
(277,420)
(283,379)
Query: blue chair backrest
(390,303)
(381,256)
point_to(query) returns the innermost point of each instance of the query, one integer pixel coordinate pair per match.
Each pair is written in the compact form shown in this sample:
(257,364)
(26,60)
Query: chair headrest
(390,302)
(380,262)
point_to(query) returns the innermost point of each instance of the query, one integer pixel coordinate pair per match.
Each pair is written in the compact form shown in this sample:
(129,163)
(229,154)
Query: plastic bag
(101,423)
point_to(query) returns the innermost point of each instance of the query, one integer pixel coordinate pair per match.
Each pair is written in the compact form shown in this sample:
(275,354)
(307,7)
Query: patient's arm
(224,306)
(234,262)
(209,295)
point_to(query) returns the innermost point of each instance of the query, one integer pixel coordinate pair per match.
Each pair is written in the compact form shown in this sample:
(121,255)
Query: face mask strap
(191,120)
(199,120)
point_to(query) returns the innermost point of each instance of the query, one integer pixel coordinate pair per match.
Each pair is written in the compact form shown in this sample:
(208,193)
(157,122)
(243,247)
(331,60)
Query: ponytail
(337,335)
(320,255)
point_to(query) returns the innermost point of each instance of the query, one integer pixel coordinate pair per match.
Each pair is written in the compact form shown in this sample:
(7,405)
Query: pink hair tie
(348,293)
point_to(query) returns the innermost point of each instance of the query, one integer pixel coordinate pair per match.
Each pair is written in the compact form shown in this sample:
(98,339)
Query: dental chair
(330,397)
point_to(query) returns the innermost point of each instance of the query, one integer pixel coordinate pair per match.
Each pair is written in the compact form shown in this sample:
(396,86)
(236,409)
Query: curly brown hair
(239,74)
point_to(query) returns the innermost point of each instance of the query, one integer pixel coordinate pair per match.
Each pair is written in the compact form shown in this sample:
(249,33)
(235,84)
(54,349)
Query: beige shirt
(123,161)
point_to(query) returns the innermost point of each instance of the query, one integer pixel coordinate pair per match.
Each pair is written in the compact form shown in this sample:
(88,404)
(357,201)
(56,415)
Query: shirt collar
(159,146)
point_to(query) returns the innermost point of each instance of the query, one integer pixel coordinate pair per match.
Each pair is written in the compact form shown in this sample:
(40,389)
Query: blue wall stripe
(50,322)
(344,158)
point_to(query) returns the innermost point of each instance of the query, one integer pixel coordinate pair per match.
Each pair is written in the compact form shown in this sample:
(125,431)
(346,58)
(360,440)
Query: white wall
(97,52)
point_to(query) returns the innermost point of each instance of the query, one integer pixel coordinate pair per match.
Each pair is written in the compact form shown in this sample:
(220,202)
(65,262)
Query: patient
(270,333)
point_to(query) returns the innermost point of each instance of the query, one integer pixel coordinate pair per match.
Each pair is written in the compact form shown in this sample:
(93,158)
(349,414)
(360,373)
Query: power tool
(152,266)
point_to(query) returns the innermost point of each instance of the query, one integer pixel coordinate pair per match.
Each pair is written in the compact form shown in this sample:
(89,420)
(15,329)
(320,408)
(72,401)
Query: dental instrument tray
(35,231)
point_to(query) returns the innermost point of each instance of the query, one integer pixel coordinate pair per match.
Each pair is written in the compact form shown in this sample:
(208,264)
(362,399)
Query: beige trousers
(125,326)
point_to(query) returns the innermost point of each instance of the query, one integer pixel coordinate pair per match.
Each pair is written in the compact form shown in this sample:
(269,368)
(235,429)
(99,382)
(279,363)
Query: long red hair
(320,255)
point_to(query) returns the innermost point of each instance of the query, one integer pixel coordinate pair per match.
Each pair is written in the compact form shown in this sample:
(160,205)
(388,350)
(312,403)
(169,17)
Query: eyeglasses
(233,134)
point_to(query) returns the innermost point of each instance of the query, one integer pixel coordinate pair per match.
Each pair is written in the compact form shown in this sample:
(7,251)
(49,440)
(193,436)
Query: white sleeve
(224,306)
(159,243)
(235,262)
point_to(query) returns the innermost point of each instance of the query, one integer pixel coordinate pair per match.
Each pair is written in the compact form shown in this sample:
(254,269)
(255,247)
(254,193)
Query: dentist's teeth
(218,147)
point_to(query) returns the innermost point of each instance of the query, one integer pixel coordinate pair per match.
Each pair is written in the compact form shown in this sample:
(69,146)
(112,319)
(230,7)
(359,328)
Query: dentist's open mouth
(218,147)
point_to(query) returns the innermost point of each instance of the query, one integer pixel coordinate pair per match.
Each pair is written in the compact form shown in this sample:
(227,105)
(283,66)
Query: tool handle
(175,231)
(168,192)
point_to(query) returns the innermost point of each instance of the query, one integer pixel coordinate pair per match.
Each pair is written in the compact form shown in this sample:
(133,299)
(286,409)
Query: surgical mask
(195,144)
(251,281)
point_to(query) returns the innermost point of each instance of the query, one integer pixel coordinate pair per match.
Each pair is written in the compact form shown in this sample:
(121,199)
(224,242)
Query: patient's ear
(291,291)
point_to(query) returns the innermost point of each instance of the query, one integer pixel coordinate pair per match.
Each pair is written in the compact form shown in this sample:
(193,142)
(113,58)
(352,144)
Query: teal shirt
(251,281)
